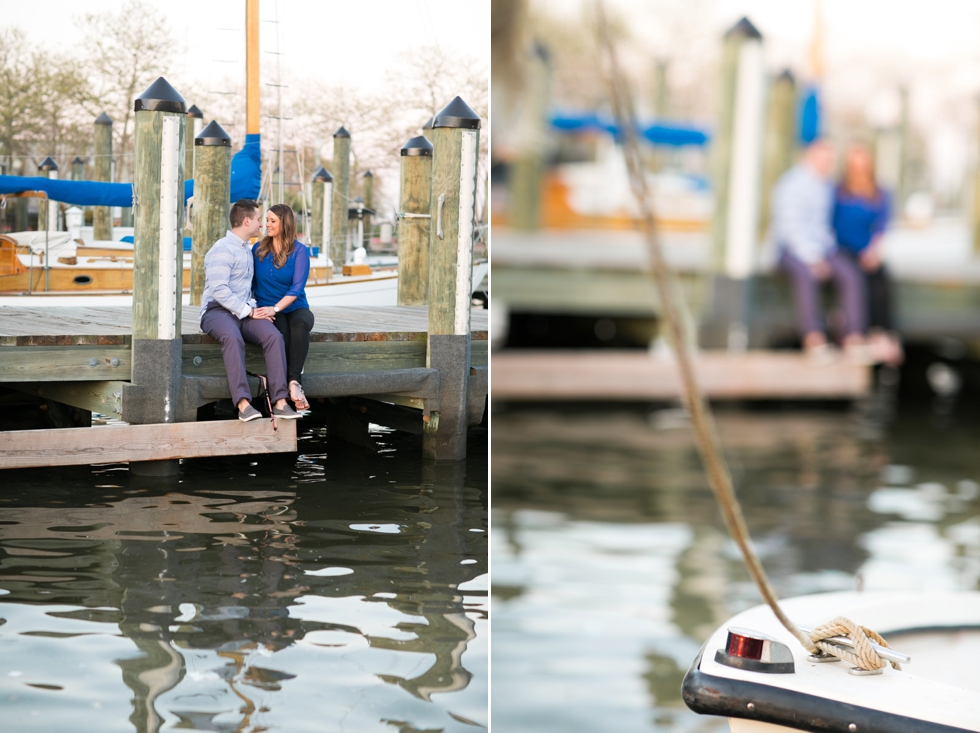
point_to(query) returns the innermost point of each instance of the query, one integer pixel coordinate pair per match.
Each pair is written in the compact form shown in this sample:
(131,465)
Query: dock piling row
(340,199)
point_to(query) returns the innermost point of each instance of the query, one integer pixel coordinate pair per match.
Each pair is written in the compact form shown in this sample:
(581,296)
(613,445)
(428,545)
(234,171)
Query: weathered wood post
(415,194)
(456,142)
(904,183)
(194,123)
(661,107)
(102,215)
(47,212)
(78,169)
(212,204)
(975,214)
(322,195)
(341,195)
(427,129)
(781,134)
(527,169)
(158,190)
(20,205)
(369,204)
(737,173)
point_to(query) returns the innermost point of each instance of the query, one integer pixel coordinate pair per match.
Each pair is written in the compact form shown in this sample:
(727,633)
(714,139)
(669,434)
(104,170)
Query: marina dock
(83,357)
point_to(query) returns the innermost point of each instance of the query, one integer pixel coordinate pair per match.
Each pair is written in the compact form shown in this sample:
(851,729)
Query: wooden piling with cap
(322,195)
(341,196)
(368,195)
(415,193)
(102,215)
(455,142)
(158,263)
(47,212)
(212,199)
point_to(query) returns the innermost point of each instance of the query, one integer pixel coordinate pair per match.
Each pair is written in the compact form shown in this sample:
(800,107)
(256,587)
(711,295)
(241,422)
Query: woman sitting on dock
(861,213)
(808,253)
(282,265)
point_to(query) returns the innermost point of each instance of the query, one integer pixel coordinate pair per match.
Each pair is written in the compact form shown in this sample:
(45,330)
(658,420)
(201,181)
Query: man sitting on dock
(229,315)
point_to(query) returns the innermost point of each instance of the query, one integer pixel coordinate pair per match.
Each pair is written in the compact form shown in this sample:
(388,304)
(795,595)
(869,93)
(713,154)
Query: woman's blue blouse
(857,220)
(271,283)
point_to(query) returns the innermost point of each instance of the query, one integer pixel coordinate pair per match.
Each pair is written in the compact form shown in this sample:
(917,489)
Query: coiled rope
(706,436)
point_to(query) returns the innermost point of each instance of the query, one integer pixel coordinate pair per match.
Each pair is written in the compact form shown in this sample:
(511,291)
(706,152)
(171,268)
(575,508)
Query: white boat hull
(938,692)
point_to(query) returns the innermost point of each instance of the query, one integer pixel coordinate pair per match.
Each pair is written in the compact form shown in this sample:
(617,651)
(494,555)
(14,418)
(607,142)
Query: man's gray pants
(231,332)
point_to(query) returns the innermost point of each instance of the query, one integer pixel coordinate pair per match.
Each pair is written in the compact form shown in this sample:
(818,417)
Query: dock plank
(85,446)
(636,375)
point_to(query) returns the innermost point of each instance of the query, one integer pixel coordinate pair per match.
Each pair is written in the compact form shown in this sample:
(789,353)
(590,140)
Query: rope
(706,436)
(863,655)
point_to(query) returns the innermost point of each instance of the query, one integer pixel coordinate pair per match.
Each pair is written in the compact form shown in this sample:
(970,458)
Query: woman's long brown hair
(287,235)
(867,188)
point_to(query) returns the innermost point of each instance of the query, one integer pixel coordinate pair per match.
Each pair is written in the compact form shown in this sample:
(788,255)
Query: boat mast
(252,126)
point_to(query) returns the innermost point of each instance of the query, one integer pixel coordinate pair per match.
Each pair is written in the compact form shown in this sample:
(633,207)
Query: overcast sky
(340,42)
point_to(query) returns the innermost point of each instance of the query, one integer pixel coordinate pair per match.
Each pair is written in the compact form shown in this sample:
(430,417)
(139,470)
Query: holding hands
(266,314)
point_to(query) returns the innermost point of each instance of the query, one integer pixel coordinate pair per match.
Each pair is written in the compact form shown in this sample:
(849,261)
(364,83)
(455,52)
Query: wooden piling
(78,169)
(194,122)
(527,170)
(415,195)
(102,215)
(427,130)
(341,196)
(158,189)
(780,142)
(903,140)
(369,204)
(456,141)
(976,196)
(737,171)
(321,194)
(47,212)
(212,204)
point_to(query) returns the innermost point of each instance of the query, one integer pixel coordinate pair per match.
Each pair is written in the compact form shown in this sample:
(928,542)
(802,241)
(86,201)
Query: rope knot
(862,655)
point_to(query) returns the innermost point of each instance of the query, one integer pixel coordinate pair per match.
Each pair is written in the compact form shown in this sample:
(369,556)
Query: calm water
(336,591)
(611,564)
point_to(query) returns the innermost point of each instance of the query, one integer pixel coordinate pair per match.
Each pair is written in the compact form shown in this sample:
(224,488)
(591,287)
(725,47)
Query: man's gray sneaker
(249,413)
(285,412)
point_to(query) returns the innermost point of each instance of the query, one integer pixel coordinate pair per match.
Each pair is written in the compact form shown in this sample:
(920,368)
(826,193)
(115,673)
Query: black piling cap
(341,132)
(744,29)
(78,160)
(160,97)
(417,146)
(322,174)
(786,75)
(195,112)
(103,119)
(48,164)
(457,114)
(428,125)
(368,174)
(213,134)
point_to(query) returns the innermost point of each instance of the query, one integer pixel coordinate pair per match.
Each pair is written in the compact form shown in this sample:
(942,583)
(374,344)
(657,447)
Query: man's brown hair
(241,210)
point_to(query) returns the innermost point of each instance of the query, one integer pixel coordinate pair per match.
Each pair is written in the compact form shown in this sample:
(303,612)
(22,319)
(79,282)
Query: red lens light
(744,646)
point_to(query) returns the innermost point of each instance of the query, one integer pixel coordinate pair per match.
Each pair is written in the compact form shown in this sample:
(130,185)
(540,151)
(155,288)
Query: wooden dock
(82,356)
(527,375)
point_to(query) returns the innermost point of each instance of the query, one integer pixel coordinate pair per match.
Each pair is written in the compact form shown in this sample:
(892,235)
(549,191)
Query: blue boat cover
(246,180)
(810,116)
(672,134)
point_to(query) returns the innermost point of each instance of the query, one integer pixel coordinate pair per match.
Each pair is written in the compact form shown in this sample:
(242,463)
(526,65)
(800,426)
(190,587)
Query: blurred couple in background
(826,231)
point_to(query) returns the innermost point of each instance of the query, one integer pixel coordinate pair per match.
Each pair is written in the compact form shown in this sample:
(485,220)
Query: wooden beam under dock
(636,375)
(161,441)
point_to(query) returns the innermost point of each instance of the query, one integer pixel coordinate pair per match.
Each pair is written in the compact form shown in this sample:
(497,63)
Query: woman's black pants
(295,328)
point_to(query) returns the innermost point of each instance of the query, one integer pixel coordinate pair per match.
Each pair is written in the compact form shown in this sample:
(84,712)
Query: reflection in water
(612,564)
(329,593)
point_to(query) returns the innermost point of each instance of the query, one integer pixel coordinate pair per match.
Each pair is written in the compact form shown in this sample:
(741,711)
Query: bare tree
(123,53)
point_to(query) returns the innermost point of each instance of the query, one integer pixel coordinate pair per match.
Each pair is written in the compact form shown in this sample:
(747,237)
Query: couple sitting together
(827,232)
(257,294)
